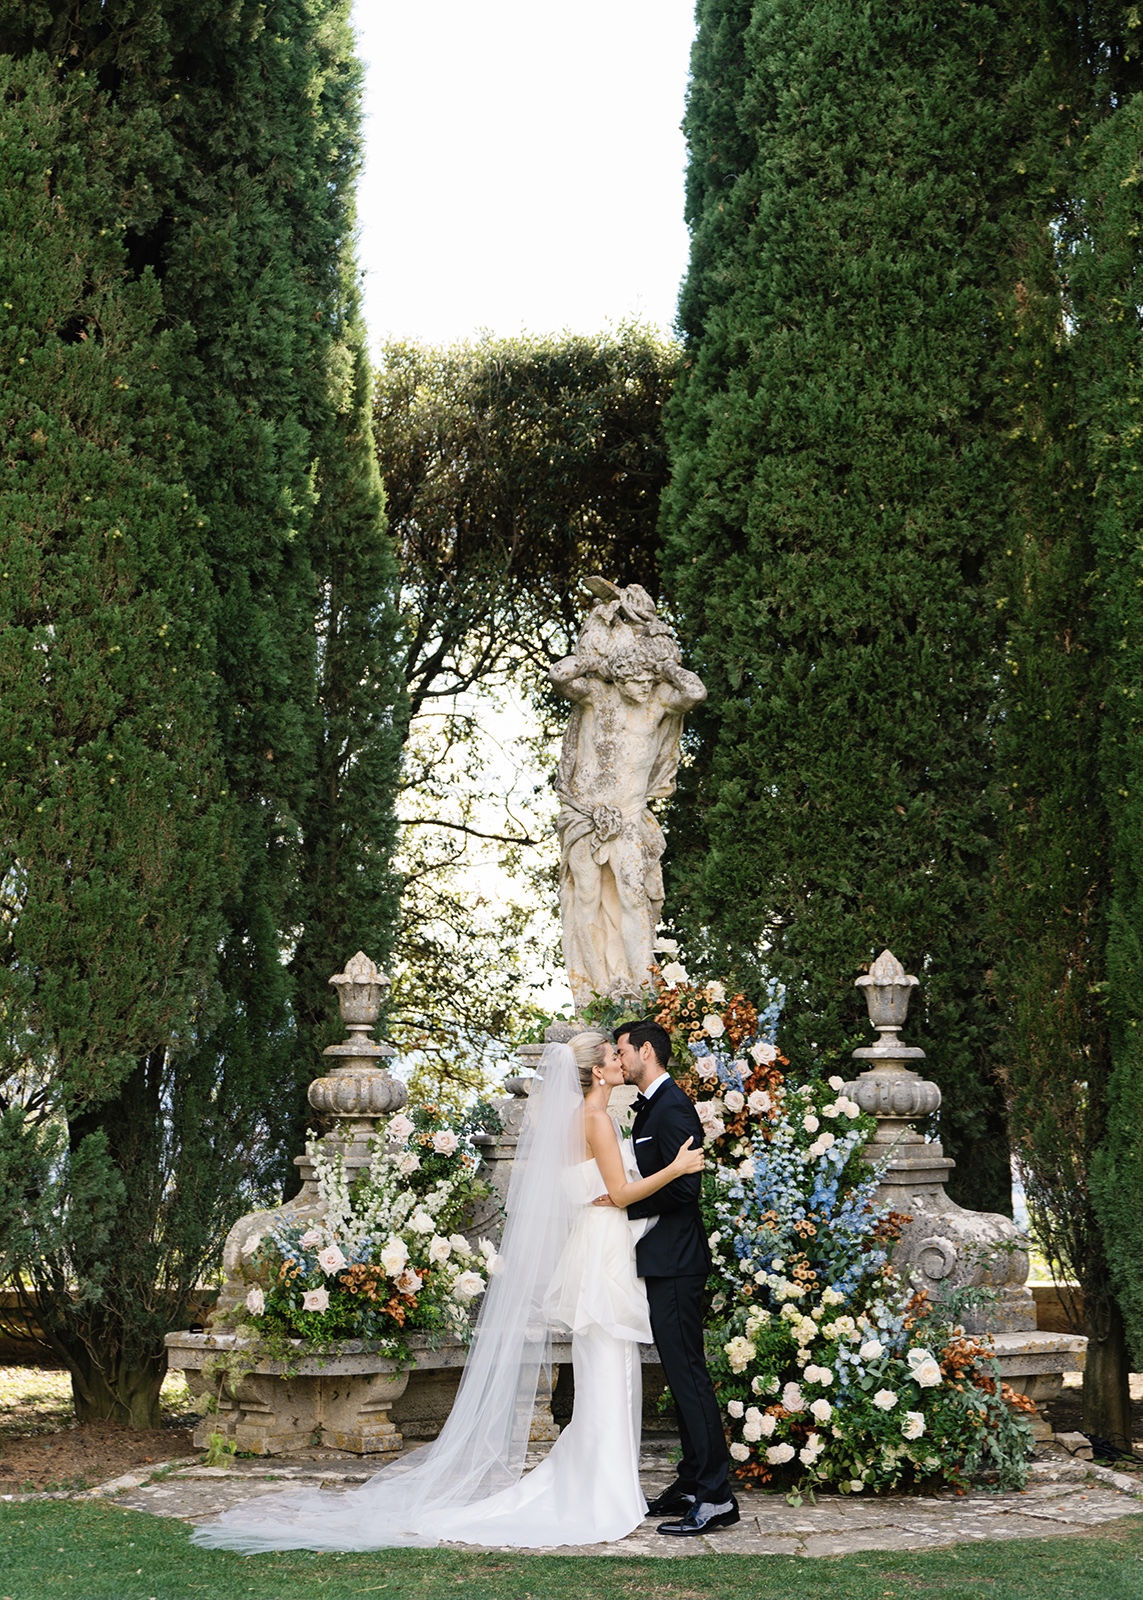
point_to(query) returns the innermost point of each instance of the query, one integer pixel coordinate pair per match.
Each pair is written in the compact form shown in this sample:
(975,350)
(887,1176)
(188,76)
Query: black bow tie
(639,1101)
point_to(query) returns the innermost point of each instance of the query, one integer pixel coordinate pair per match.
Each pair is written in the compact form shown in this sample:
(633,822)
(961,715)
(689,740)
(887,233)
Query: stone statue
(621,749)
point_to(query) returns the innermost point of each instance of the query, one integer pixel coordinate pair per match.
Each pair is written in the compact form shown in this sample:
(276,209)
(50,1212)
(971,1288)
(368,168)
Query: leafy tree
(511,468)
(838,497)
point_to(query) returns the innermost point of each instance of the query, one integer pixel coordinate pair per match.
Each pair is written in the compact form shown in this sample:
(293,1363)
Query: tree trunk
(120,1392)
(1106,1393)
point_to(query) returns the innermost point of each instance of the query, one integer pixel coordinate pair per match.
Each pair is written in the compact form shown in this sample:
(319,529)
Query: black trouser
(676,1322)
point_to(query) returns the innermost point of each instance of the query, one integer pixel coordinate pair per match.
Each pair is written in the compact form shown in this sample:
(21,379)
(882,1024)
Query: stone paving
(1063,1496)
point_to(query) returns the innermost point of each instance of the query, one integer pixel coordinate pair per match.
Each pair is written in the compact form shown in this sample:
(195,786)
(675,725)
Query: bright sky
(523,164)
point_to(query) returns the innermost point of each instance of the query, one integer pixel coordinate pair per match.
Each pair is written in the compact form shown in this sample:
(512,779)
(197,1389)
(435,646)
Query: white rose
(407,1283)
(408,1162)
(927,1374)
(733,1100)
(666,947)
(871,1350)
(849,1108)
(256,1301)
(914,1425)
(468,1285)
(734,1408)
(740,1452)
(827,1140)
(759,1102)
(716,992)
(445,1142)
(767,1423)
(792,1398)
(832,1110)
(752,1432)
(331,1260)
(779,1454)
(714,1025)
(310,1239)
(459,1243)
(439,1250)
(812,1449)
(674,973)
(421,1222)
(315,1300)
(400,1127)
(706,1069)
(855,1486)
(763,1053)
(394,1255)
(837,1083)
(816,1149)
(739,1353)
(885,1399)
(825,1377)
(810,1123)
(746,1170)
(821,1410)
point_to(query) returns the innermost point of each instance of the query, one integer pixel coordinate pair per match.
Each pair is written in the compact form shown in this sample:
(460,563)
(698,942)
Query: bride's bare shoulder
(599,1126)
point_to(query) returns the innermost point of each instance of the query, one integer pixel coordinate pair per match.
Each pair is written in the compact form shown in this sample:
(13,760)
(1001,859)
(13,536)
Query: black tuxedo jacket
(676,1246)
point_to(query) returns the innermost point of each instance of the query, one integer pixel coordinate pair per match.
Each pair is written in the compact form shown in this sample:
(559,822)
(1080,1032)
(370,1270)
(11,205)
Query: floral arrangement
(831,1369)
(386,1257)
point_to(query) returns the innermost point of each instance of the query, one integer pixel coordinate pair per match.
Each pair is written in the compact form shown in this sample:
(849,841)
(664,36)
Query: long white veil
(482,1446)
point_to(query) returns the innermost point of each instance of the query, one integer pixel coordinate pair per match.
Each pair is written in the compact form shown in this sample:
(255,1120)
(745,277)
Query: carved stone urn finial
(357,1090)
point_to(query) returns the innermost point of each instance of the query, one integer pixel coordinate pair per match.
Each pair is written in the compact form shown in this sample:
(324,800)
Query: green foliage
(512,468)
(197,663)
(1107,275)
(110,810)
(837,501)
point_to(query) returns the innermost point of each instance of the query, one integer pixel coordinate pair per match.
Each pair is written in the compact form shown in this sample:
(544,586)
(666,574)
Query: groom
(673,1259)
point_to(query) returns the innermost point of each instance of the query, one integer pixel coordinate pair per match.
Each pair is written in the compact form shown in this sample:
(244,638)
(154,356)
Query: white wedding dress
(566,1264)
(587,1487)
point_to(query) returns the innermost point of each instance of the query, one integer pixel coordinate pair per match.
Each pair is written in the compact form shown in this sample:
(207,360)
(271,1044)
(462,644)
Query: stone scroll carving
(630,693)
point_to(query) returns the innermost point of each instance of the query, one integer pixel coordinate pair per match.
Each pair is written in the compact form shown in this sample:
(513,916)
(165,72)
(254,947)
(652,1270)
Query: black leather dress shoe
(703,1518)
(674,1501)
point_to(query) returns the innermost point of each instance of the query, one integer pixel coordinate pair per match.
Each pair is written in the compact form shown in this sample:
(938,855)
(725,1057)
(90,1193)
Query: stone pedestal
(353,1094)
(945,1247)
(1034,1364)
(342,1400)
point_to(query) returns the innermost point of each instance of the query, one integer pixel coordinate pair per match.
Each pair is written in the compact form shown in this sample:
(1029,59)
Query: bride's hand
(688,1160)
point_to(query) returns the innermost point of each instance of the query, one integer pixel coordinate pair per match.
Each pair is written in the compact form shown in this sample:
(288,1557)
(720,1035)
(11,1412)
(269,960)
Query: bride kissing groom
(603,1238)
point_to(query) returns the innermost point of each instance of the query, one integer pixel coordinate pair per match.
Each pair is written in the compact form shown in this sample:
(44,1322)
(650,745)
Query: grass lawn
(93,1551)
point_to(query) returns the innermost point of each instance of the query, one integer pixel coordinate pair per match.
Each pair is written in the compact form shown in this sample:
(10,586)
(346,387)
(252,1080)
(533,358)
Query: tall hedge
(1107,278)
(837,503)
(199,199)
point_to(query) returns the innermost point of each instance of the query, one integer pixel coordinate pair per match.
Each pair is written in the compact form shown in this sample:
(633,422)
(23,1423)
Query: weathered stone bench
(350,1399)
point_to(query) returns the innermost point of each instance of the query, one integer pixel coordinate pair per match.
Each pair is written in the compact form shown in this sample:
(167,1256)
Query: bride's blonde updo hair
(590,1051)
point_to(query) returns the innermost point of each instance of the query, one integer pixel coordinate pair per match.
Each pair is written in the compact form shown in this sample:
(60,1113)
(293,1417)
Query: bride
(568,1256)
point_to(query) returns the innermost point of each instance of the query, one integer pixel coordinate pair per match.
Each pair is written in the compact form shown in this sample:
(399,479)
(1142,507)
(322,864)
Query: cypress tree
(837,500)
(229,202)
(1106,278)
(1060,879)
(110,816)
